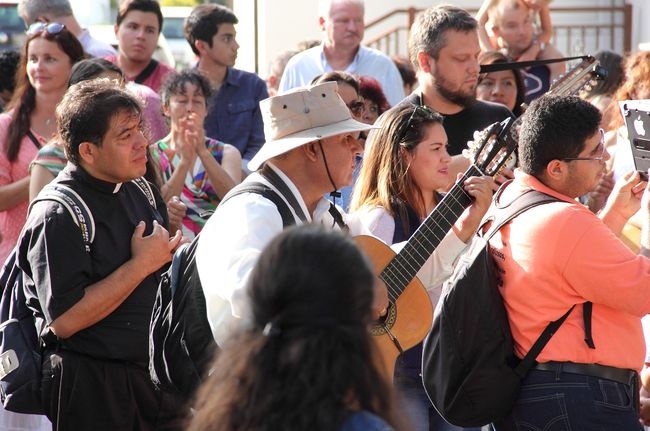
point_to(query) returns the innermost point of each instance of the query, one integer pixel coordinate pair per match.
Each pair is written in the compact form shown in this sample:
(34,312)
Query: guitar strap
(498,67)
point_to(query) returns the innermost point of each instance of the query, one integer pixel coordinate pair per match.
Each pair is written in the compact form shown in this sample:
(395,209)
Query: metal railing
(599,28)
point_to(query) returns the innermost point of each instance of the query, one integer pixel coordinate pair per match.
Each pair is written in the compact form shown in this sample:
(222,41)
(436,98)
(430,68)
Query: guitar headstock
(581,76)
(492,147)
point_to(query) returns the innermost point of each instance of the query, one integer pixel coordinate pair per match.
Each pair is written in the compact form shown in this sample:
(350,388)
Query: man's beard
(458,97)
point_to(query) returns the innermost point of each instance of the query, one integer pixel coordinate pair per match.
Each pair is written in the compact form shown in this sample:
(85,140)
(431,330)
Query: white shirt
(236,234)
(304,66)
(440,264)
(95,47)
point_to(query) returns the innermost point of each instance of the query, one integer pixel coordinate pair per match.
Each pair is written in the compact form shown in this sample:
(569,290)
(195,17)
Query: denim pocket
(546,413)
(613,395)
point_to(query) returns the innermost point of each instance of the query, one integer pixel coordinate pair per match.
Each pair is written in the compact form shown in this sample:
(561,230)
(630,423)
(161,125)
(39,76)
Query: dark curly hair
(307,361)
(555,128)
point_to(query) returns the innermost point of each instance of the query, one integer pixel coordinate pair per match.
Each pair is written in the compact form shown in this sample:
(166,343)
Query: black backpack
(21,343)
(181,344)
(469,368)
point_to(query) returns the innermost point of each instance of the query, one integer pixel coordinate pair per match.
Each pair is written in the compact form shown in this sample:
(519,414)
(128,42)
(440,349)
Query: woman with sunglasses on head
(47,57)
(405,164)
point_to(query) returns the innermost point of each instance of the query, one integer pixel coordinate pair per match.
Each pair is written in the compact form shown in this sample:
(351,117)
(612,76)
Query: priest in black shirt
(97,304)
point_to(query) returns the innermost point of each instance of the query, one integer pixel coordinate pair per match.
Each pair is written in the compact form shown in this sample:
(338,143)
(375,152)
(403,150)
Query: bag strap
(146,72)
(504,214)
(145,187)
(270,194)
(34,139)
(75,205)
(529,360)
(272,177)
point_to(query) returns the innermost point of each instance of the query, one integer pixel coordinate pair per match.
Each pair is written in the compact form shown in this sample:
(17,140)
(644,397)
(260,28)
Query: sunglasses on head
(423,111)
(47,27)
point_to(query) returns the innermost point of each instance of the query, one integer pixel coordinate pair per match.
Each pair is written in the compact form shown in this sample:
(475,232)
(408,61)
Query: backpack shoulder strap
(274,179)
(75,205)
(266,191)
(503,214)
(145,187)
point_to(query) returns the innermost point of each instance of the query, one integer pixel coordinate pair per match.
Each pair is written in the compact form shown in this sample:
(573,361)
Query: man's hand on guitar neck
(480,189)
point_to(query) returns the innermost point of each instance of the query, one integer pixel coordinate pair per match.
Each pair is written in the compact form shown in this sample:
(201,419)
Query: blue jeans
(560,401)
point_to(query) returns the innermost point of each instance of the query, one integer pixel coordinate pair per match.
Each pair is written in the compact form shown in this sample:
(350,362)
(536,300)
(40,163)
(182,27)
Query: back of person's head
(307,43)
(86,111)
(278,65)
(306,362)
(406,71)
(9,61)
(338,77)
(384,178)
(428,31)
(204,21)
(151,6)
(555,128)
(497,57)
(33,10)
(370,89)
(175,84)
(92,68)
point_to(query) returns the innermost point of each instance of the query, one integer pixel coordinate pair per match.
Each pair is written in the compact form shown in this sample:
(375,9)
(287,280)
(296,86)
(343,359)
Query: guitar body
(408,319)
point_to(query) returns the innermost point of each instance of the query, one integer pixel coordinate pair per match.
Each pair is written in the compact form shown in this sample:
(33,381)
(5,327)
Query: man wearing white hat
(310,150)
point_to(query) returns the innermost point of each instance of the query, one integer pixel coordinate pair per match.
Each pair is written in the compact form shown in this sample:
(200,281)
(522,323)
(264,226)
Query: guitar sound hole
(385,322)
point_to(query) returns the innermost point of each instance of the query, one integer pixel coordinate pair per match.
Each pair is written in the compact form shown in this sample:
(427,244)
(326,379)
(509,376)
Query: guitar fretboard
(405,265)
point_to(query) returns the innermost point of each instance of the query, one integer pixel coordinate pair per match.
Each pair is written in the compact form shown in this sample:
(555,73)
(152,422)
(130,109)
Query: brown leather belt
(621,375)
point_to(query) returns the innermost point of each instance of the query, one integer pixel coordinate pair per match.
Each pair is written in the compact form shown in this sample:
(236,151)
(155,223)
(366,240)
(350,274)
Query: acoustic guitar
(409,315)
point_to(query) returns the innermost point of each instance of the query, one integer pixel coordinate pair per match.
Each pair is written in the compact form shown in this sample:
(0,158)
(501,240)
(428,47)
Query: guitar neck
(405,265)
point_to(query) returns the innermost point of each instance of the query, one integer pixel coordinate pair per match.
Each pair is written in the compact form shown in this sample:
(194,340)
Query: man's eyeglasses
(48,27)
(423,110)
(356,108)
(600,157)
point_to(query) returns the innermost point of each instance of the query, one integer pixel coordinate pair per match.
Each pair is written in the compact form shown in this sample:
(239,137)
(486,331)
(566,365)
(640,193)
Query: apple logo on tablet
(638,126)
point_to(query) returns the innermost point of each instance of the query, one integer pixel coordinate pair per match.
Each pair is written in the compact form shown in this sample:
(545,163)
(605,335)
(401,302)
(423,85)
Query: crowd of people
(354,144)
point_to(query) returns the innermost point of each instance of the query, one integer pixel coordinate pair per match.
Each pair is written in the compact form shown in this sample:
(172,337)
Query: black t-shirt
(460,127)
(53,255)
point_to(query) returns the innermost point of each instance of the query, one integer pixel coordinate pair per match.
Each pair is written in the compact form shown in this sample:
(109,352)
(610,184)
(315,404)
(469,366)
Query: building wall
(283,23)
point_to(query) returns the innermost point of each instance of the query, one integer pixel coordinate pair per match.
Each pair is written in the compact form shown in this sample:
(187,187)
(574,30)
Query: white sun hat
(301,116)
